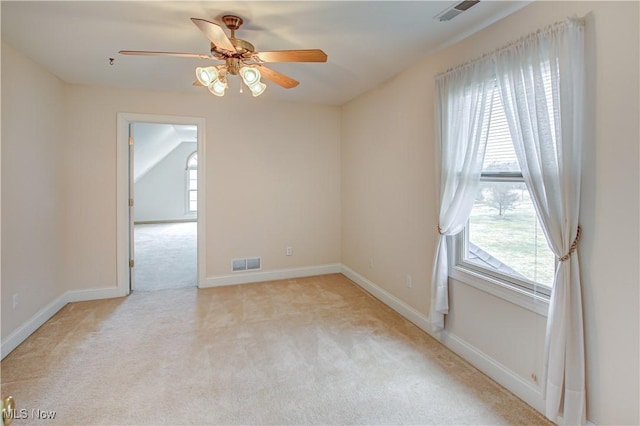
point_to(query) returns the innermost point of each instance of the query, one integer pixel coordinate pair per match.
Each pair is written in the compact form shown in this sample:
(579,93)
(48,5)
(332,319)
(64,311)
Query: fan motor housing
(242,46)
(244,49)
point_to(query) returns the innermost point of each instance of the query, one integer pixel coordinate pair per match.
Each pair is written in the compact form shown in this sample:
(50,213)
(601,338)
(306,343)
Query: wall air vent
(451,12)
(247,264)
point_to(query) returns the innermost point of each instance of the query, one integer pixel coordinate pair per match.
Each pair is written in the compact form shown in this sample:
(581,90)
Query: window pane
(500,156)
(193,183)
(193,201)
(192,162)
(505,236)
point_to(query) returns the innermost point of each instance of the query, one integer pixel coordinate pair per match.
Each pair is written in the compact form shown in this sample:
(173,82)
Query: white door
(132,241)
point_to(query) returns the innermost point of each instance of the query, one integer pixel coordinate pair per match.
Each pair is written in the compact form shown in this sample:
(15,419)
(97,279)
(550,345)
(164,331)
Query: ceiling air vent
(451,12)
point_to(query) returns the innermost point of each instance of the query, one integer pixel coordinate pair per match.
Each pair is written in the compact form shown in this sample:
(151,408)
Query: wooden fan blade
(197,83)
(309,55)
(277,78)
(181,55)
(215,33)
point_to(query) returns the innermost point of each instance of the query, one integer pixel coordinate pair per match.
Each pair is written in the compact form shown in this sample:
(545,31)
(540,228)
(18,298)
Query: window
(192,183)
(503,238)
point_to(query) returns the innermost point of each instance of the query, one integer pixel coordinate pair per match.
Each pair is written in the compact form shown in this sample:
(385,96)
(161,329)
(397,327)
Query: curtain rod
(520,41)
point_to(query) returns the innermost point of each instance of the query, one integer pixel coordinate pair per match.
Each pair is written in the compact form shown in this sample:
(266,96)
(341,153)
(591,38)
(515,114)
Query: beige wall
(273,179)
(32,188)
(390,214)
(356,185)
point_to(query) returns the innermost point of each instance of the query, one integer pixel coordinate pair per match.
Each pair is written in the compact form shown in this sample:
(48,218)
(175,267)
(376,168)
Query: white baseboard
(492,368)
(279,274)
(483,362)
(95,294)
(390,300)
(167,221)
(32,324)
(19,335)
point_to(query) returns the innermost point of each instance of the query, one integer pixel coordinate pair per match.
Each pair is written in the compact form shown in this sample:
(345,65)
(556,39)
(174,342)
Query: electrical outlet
(16,300)
(289,251)
(409,281)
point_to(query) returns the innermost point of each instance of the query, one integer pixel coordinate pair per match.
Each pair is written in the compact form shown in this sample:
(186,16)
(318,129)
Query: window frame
(188,189)
(526,293)
(462,241)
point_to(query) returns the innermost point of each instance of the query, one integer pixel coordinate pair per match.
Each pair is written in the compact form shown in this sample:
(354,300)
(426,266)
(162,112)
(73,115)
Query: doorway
(165,209)
(160,202)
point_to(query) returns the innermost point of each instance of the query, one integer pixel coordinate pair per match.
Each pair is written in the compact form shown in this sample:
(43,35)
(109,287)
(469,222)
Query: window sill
(534,302)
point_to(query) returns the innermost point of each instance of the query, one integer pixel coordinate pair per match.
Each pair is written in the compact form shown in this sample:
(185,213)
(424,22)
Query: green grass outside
(515,239)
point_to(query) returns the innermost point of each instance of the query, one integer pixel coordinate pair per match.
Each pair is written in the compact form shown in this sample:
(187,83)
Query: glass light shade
(218,87)
(257,89)
(250,75)
(206,75)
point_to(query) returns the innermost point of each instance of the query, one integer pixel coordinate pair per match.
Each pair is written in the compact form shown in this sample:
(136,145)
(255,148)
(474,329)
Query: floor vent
(248,264)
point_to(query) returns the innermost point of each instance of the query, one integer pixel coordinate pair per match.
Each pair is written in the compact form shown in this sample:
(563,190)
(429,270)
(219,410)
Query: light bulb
(258,88)
(206,75)
(218,87)
(250,75)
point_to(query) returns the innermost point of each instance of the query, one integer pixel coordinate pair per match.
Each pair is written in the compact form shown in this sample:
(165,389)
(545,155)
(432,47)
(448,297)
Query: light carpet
(316,350)
(165,255)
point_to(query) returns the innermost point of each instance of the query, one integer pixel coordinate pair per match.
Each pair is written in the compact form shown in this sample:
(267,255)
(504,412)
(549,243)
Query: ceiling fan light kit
(257,89)
(240,58)
(250,75)
(213,79)
(207,75)
(218,87)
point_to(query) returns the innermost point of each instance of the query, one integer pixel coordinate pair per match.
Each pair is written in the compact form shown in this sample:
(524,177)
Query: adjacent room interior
(165,207)
(318,217)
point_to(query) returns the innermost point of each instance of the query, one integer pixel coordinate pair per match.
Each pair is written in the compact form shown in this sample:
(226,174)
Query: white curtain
(462,116)
(546,127)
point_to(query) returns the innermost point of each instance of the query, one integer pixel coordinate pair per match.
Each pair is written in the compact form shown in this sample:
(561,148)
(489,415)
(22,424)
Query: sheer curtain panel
(541,80)
(462,115)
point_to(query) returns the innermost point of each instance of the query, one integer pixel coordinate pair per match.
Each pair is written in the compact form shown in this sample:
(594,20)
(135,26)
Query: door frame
(123,243)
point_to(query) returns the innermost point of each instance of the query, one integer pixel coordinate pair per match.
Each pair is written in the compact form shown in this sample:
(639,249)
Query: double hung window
(503,238)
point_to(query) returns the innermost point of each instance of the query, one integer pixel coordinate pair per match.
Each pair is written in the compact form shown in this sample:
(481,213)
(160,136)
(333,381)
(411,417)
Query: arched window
(192,182)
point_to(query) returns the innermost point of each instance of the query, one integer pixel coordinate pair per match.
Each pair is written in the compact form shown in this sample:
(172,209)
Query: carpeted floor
(316,350)
(165,255)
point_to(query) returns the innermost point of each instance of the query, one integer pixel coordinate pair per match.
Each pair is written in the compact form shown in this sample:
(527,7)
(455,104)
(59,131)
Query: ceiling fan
(240,58)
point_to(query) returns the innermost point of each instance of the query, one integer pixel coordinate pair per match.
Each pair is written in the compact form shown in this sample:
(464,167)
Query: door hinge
(130,140)
(130,202)
(131,263)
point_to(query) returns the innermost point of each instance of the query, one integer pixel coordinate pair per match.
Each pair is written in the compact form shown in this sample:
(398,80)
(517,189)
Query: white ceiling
(367,42)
